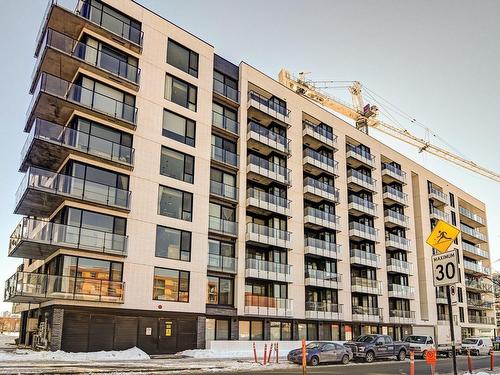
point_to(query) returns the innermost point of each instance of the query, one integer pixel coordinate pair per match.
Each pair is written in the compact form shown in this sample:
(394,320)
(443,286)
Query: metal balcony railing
(393,171)
(364,257)
(223,226)
(472,232)
(226,90)
(317,187)
(471,266)
(268,200)
(363,310)
(320,133)
(401,291)
(439,214)
(329,219)
(320,160)
(398,196)
(263,305)
(267,266)
(269,106)
(223,190)
(362,230)
(264,232)
(361,179)
(439,195)
(266,167)
(363,205)
(222,263)
(360,154)
(364,285)
(393,240)
(398,265)
(323,275)
(323,307)
(268,137)
(226,123)
(474,250)
(403,314)
(396,217)
(225,156)
(469,214)
(321,247)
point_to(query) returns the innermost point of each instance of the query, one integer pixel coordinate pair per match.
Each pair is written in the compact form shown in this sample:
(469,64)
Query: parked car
(477,345)
(420,344)
(371,347)
(321,352)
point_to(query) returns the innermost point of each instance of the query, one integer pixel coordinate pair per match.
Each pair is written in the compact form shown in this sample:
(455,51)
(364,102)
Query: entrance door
(167,335)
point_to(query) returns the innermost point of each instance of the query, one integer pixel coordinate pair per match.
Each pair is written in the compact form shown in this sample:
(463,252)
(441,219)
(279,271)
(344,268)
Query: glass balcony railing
(394,194)
(439,195)
(267,234)
(323,275)
(363,205)
(361,179)
(401,291)
(472,216)
(362,230)
(268,137)
(83,96)
(226,123)
(364,285)
(321,161)
(474,250)
(34,287)
(396,217)
(268,201)
(475,319)
(222,226)
(265,167)
(222,263)
(223,190)
(269,106)
(360,154)
(226,91)
(321,189)
(225,156)
(401,314)
(479,285)
(476,267)
(61,235)
(366,258)
(320,133)
(266,266)
(323,307)
(477,303)
(472,232)
(393,171)
(393,240)
(321,247)
(88,54)
(72,187)
(102,18)
(321,217)
(263,305)
(77,140)
(439,214)
(363,310)
(401,266)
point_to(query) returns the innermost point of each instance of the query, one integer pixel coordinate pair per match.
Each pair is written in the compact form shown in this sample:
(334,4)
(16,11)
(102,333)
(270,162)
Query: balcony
(472,235)
(365,258)
(401,317)
(220,263)
(316,163)
(436,213)
(323,279)
(359,206)
(474,252)
(324,311)
(48,145)
(264,235)
(362,231)
(399,266)
(358,181)
(225,123)
(359,156)
(26,287)
(486,320)
(226,92)
(41,192)
(265,172)
(441,297)
(316,218)
(478,285)
(315,246)
(268,306)
(63,56)
(56,99)
(391,195)
(316,191)
(262,202)
(367,286)
(224,191)
(395,219)
(367,314)
(269,107)
(265,141)
(476,268)
(225,157)
(470,218)
(391,173)
(479,304)
(263,269)
(37,239)
(395,242)
(222,226)
(315,136)
(440,198)
(401,291)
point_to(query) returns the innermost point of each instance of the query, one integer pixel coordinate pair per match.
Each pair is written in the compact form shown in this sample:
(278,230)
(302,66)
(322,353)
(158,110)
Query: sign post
(445,269)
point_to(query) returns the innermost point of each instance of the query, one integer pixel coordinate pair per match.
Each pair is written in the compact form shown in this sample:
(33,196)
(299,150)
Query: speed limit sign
(445,268)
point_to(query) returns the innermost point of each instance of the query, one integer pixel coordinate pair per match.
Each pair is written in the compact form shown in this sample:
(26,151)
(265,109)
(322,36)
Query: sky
(436,60)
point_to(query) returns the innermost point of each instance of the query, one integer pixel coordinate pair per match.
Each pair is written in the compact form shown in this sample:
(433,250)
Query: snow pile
(133,354)
(207,353)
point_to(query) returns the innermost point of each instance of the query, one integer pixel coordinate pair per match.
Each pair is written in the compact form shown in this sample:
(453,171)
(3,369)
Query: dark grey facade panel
(226,67)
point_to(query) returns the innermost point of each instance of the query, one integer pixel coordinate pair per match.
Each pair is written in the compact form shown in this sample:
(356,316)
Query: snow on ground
(7,339)
(214,354)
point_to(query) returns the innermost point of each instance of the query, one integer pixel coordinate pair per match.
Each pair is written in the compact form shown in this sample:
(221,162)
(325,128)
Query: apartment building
(172,198)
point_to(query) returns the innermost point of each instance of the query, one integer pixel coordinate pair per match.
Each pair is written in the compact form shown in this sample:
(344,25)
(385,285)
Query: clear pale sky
(437,60)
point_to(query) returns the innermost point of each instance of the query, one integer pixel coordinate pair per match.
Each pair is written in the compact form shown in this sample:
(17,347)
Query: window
(178,128)
(223,183)
(256,330)
(182,58)
(281,330)
(91,220)
(221,212)
(217,329)
(180,92)
(175,203)
(453,218)
(173,243)
(177,165)
(460,295)
(220,291)
(462,315)
(221,248)
(171,285)
(452,200)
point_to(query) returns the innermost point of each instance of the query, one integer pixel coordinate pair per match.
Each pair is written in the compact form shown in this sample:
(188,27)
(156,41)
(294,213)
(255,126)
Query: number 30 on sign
(445,268)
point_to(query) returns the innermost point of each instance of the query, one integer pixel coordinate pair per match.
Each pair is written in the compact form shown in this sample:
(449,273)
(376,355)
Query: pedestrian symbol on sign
(442,236)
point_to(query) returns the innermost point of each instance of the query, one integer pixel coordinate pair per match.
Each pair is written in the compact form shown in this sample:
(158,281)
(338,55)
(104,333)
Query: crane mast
(365,116)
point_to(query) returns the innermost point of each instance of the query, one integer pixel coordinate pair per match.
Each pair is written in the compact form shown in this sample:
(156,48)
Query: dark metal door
(167,335)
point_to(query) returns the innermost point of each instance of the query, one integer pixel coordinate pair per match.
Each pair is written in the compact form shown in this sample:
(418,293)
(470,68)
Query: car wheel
(314,361)
(370,357)
(401,355)
(345,359)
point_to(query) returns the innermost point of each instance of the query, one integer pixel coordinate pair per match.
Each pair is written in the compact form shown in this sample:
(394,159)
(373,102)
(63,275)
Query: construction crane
(365,116)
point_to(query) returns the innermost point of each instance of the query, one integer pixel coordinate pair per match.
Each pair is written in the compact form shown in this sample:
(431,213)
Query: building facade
(172,198)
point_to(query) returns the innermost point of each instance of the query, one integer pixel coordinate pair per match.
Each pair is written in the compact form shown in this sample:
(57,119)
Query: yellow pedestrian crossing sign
(442,236)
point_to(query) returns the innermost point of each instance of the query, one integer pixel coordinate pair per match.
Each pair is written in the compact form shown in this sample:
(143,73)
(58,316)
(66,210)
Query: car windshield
(365,338)
(416,339)
(314,345)
(469,341)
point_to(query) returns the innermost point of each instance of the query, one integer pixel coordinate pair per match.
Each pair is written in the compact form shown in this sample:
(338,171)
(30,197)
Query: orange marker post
(265,354)
(492,359)
(304,357)
(255,353)
(469,362)
(277,351)
(412,363)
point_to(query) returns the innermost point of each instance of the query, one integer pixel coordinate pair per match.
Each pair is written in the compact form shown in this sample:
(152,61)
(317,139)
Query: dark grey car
(322,352)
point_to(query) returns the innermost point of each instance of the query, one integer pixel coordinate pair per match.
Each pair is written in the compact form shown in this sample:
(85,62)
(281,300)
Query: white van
(477,345)
(420,344)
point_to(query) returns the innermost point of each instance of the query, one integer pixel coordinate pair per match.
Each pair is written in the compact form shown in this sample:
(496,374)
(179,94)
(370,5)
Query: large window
(173,243)
(220,291)
(251,330)
(177,165)
(178,128)
(216,329)
(175,203)
(65,265)
(182,58)
(171,285)
(180,92)
(281,331)
(91,220)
